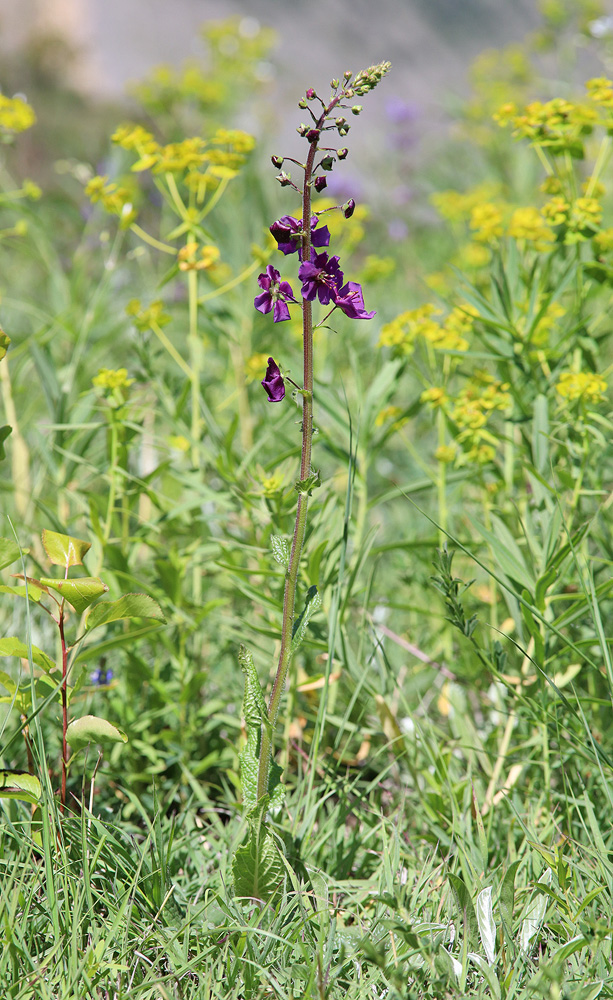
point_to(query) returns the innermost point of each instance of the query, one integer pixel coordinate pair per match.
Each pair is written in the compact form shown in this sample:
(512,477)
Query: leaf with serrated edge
(280,549)
(12,646)
(91,729)
(80,593)
(257,867)
(312,604)
(63,550)
(20,785)
(128,606)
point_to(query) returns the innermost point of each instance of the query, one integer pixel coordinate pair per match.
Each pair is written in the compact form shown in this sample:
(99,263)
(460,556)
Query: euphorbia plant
(258,869)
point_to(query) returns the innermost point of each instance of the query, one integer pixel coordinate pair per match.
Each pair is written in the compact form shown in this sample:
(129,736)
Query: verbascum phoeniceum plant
(258,866)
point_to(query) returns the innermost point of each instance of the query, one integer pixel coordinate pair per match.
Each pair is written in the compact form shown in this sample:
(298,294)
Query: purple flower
(101,676)
(273,383)
(351,301)
(275,296)
(288,233)
(321,277)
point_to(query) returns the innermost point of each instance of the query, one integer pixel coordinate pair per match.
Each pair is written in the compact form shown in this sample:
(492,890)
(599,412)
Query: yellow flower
(474,256)
(209,256)
(386,414)
(403,331)
(528,224)
(434,395)
(556,210)
(456,206)
(551,185)
(604,241)
(584,386)
(115,200)
(112,378)
(446,453)
(486,221)
(16,115)
(146,318)
(600,90)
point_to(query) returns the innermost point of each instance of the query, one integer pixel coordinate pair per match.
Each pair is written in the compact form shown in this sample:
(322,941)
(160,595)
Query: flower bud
(313,134)
(348,208)
(284,179)
(277,161)
(320,183)
(302,129)
(342,153)
(327,163)
(334,84)
(339,122)
(310,94)
(343,130)
(356,109)
(302,103)
(347,74)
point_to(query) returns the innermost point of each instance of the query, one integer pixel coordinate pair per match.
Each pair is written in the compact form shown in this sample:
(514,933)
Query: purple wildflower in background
(288,233)
(321,277)
(275,296)
(351,301)
(273,382)
(101,676)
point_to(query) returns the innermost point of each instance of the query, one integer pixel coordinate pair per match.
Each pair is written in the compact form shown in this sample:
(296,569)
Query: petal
(263,302)
(281,311)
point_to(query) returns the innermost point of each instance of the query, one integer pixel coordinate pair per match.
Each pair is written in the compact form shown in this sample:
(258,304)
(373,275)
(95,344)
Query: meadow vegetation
(444,737)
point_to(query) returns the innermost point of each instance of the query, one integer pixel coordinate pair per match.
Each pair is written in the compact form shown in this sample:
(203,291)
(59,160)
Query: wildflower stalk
(321,277)
(291,575)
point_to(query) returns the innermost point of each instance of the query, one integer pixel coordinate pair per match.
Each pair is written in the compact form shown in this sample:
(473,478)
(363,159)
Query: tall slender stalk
(349,300)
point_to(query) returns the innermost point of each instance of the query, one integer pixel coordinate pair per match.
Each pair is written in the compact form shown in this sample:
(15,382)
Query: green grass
(445,736)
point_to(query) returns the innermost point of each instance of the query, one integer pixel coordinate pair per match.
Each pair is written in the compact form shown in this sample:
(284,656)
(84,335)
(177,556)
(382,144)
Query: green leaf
(9,552)
(465,905)
(33,592)
(91,729)
(63,550)
(540,434)
(507,897)
(80,593)
(258,868)
(20,785)
(4,343)
(280,549)
(507,554)
(5,430)
(128,606)
(11,646)
(311,604)
(309,484)
(255,715)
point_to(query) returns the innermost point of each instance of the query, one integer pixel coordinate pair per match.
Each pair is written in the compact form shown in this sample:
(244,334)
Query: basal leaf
(128,606)
(258,867)
(63,550)
(467,910)
(91,729)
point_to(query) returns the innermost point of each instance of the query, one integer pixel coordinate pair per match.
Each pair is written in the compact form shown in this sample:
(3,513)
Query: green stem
(110,507)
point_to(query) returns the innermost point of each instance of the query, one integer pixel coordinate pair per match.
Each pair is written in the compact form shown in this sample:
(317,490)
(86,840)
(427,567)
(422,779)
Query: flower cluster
(319,272)
(16,115)
(448,335)
(587,387)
